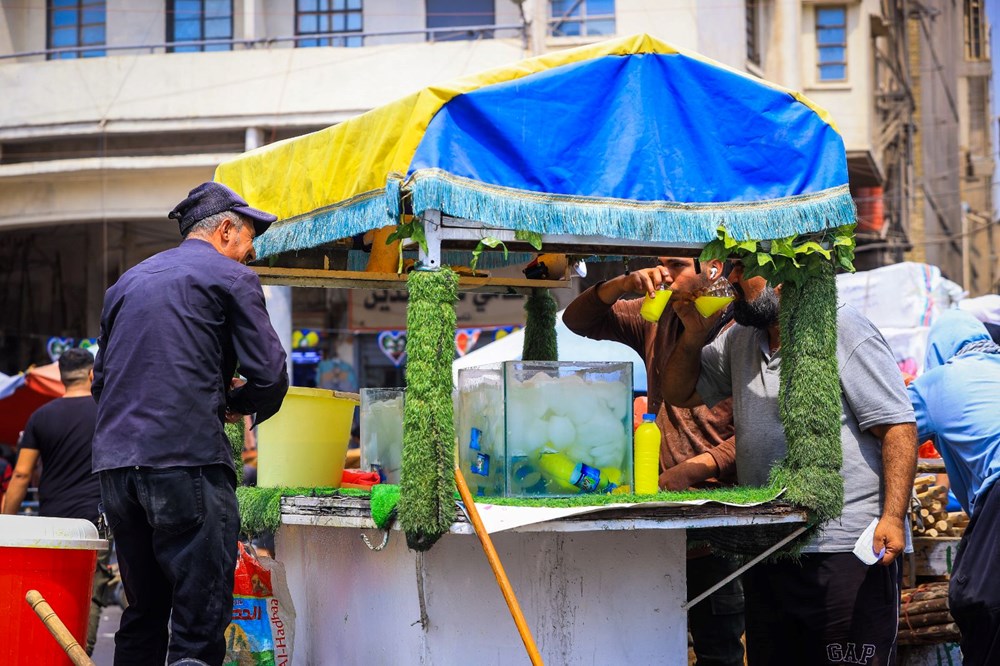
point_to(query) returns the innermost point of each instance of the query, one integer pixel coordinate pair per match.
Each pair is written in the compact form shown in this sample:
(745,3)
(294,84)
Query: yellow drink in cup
(714,297)
(709,305)
(652,308)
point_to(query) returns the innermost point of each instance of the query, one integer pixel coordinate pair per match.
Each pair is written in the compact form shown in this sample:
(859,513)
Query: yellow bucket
(305,443)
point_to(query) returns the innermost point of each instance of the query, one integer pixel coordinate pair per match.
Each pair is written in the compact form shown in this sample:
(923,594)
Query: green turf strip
(260,508)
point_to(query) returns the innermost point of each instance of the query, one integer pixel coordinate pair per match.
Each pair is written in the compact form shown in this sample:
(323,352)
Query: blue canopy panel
(658,147)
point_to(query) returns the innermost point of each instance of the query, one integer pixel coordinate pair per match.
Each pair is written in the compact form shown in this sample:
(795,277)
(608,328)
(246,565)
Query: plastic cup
(652,308)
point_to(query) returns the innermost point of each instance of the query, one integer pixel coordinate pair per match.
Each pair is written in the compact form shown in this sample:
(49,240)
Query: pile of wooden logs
(932,519)
(924,616)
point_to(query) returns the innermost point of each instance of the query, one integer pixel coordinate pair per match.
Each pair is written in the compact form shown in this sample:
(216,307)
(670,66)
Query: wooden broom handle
(58,630)
(501,575)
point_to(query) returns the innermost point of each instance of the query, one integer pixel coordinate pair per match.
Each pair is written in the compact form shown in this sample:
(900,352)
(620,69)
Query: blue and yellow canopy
(629,138)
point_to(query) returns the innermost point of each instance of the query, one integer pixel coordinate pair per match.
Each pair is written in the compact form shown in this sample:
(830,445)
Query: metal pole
(704,595)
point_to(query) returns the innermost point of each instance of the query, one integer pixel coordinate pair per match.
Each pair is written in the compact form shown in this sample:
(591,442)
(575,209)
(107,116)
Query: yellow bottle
(646,456)
(567,476)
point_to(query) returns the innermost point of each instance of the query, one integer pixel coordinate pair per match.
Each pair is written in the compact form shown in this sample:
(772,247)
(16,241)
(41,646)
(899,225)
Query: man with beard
(696,444)
(826,606)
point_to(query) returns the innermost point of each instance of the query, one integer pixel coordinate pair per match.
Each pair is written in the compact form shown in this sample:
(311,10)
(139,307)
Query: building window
(831,43)
(581,18)
(197,20)
(458,13)
(322,17)
(753,31)
(76,23)
(975,31)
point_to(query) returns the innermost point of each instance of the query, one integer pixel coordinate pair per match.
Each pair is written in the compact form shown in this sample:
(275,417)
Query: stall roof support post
(430,257)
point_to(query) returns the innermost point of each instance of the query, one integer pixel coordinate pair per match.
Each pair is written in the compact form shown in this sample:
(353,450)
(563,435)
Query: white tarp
(902,300)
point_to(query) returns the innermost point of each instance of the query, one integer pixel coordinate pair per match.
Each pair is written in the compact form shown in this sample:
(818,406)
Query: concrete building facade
(112,109)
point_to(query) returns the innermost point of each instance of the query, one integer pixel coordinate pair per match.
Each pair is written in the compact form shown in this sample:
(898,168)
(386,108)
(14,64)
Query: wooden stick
(925,592)
(925,620)
(58,630)
(501,575)
(932,633)
(910,608)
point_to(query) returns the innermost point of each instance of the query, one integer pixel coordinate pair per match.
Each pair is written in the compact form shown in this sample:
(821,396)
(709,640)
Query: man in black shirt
(172,330)
(60,433)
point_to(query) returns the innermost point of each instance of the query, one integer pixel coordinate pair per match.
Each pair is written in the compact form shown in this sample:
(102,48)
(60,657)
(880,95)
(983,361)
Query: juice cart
(623,148)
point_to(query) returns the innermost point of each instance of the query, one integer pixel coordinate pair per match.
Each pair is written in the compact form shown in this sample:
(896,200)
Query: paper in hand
(863,546)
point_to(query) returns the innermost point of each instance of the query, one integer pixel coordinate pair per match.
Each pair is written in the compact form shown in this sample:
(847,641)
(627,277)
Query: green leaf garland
(789,260)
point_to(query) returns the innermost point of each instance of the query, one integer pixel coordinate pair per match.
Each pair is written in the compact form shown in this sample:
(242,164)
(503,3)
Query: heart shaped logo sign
(56,346)
(393,345)
(465,340)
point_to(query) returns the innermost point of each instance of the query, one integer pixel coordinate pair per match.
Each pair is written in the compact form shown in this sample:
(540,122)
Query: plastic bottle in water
(646,455)
(568,476)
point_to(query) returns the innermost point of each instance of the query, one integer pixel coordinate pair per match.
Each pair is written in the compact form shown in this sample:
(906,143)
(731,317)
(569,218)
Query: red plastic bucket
(57,557)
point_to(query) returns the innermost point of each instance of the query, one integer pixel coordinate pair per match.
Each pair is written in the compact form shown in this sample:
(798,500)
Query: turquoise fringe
(355,216)
(556,214)
(394,197)
(655,222)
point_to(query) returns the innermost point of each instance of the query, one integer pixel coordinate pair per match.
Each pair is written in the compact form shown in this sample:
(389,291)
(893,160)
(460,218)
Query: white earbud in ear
(713,273)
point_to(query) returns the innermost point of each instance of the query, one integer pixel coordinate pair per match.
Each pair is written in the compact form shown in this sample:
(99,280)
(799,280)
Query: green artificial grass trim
(260,508)
(427,511)
(809,400)
(234,433)
(735,495)
(540,327)
(385,498)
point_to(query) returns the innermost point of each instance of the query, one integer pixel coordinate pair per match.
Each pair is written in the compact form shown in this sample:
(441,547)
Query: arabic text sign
(386,309)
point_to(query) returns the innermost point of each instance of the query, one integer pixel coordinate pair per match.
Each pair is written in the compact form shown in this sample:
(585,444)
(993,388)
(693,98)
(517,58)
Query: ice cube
(561,431)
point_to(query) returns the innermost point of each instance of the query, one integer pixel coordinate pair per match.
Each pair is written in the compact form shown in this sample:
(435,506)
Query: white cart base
(600,597)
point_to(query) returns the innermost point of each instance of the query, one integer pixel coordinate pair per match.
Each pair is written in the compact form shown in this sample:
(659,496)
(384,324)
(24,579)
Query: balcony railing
(451,33)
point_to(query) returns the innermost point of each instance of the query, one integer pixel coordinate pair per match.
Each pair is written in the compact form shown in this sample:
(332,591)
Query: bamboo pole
(498,571)
(58,630)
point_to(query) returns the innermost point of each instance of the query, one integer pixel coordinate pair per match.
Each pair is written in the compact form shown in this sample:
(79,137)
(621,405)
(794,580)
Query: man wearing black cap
(173,329)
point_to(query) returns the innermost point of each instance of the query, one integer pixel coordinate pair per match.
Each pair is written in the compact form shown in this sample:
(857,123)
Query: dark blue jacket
(172,330)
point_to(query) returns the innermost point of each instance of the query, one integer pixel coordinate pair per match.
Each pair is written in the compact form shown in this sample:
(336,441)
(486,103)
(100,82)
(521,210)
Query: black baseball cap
(210,198)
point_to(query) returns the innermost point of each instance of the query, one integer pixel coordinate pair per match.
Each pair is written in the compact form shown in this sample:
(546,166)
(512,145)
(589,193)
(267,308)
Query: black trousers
(176,532)
(827,608)
(715,623)
(974,593)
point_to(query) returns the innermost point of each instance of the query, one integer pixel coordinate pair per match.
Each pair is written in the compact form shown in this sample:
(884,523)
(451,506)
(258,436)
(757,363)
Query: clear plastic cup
(652,308)
(714,297)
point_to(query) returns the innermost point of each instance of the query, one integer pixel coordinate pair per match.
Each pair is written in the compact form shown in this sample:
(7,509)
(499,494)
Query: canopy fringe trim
(658,221)
(361,213)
